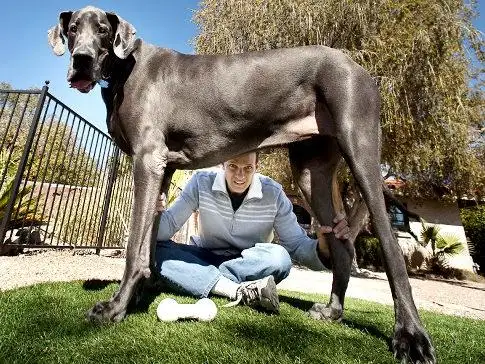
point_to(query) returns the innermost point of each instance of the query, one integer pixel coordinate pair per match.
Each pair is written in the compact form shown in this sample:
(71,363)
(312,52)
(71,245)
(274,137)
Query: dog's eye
(73,28)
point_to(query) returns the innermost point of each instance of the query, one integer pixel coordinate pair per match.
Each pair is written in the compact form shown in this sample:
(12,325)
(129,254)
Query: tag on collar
(103,83)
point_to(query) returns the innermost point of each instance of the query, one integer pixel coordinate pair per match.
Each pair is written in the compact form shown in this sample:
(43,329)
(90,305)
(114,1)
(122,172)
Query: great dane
(176,111)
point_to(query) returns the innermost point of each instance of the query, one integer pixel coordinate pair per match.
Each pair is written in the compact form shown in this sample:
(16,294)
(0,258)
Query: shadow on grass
(366,328)
(98,284)
(369,329)
(146,292)
(306,340)
(298,303)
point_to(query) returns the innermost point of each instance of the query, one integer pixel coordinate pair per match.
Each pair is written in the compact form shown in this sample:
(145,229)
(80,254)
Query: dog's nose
(82,61)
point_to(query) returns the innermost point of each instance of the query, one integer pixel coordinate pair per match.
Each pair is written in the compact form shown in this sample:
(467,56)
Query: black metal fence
(63,182)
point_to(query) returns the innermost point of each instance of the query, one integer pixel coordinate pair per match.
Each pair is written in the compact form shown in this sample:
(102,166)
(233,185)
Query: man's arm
(304,250)
(173,218)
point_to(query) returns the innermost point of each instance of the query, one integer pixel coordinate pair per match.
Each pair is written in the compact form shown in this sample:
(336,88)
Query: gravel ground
(460,298)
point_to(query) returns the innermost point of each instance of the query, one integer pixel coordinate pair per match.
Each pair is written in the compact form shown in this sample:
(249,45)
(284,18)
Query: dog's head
(93,35)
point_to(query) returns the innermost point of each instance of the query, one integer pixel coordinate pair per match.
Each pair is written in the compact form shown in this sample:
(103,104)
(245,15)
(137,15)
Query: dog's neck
(115,75)
(116,69)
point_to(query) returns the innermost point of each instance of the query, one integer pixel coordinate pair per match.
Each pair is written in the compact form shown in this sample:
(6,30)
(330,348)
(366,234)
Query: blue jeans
(192,270)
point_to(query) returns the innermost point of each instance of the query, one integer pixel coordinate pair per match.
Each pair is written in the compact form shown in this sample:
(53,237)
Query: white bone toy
(203,310)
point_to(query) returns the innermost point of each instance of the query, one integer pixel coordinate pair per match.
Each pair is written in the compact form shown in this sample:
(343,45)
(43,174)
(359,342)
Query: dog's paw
(411,344)
(104,312)
(320,311)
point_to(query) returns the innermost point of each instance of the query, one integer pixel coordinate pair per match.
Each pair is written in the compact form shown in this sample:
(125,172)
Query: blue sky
(27,59)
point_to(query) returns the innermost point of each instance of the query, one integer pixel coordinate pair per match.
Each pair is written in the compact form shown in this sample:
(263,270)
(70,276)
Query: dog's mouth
(86,70)
(83,85)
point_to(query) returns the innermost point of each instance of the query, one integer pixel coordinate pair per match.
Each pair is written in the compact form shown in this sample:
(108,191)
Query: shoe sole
(269,296)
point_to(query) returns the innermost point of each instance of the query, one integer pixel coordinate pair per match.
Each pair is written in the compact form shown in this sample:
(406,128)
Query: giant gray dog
(176,111)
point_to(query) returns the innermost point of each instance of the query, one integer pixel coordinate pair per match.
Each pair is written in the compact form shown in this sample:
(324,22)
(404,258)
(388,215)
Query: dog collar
(103,83)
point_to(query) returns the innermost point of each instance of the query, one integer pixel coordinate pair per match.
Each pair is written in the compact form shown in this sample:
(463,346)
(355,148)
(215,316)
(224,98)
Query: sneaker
(260,294)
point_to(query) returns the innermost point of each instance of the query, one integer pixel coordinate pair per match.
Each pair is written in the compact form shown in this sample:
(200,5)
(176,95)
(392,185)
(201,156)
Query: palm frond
(449,244)
(453,249)
(429,232)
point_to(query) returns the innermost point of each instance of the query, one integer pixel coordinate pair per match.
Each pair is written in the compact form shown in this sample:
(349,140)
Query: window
(398,219)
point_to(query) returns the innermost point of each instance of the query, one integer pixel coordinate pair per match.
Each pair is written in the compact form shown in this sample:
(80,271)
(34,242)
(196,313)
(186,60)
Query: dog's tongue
(83,85)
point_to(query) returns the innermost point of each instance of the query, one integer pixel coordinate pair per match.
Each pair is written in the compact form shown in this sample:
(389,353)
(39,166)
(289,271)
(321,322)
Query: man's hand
(341,228)
(341,231)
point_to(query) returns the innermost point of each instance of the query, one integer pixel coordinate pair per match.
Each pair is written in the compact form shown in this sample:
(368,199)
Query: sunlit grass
(46,324)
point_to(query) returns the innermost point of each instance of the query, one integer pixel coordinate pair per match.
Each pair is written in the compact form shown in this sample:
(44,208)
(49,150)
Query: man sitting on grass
(233,256)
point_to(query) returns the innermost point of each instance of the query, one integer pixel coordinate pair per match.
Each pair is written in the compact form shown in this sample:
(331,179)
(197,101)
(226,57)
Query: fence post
(107,198)
(23,162)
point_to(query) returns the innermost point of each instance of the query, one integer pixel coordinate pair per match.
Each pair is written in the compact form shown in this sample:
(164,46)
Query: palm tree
(443,246)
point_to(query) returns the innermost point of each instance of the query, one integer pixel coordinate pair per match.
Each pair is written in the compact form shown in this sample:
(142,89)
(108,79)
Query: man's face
(239,172)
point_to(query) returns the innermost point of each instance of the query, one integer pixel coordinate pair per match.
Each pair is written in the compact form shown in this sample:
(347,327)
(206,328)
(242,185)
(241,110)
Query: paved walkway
(450,297)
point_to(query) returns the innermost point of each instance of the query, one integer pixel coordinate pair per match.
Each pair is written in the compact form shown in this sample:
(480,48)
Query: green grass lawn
(46,324)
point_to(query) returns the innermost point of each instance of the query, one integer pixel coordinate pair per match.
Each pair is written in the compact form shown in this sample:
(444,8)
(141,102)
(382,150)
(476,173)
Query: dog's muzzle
(82,72)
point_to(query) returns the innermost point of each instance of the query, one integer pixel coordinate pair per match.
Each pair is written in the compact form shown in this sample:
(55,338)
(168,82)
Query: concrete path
(450,297)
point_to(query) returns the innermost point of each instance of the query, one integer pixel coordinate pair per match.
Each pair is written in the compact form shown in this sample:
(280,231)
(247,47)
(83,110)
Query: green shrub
(368,252)
(24,211)
(473,219)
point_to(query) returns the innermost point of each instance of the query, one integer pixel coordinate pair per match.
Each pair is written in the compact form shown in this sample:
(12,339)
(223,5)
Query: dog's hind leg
(410,341)
(314,164)
(148,172)
(355,112)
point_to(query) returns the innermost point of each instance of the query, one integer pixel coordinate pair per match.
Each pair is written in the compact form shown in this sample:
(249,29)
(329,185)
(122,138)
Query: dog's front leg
(149,288)
(314,164)
(148,171)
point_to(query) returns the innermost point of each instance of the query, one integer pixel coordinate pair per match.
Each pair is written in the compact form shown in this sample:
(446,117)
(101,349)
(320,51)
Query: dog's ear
(124,40)
(57,33)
